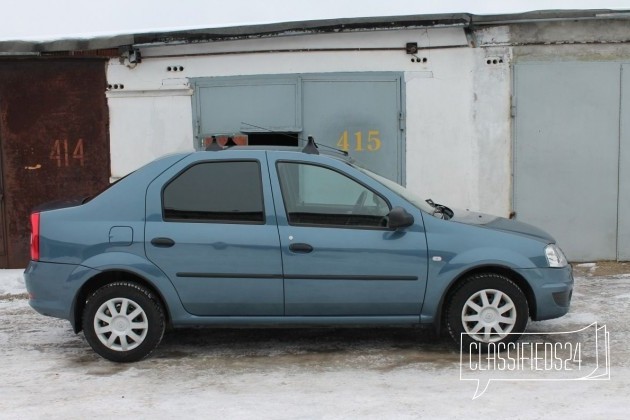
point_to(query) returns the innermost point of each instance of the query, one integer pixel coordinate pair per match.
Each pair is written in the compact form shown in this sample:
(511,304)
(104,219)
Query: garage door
(623,248)
(54,141)
(567,159)
(357,112)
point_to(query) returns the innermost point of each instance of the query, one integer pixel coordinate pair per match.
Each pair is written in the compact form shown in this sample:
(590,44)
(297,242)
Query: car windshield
(410,196)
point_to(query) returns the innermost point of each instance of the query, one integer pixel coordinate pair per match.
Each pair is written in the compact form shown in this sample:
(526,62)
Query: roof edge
(20,47)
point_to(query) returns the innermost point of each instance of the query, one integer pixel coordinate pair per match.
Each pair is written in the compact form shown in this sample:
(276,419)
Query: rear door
(211,228)
(338,260)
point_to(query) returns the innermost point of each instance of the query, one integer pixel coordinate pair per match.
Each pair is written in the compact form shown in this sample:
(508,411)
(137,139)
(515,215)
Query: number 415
(372,145)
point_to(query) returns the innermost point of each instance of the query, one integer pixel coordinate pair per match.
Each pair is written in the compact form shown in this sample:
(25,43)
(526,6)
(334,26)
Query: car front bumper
(552,289)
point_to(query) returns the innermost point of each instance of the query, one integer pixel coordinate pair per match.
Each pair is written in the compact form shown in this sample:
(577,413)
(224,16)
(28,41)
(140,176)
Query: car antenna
(214,146)
(311,147)
(334,149)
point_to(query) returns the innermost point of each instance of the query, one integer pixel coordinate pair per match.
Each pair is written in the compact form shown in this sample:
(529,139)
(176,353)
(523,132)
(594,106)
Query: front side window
(229,191)
(316,195)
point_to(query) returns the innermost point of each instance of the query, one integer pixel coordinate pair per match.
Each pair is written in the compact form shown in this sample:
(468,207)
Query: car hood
(500,223)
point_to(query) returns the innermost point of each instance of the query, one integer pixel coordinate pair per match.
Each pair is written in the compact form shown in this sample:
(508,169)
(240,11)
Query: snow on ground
(49,372)
(12,282)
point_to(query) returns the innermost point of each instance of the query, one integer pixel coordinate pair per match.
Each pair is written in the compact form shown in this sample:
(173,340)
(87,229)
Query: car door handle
(301,248)
(162,242)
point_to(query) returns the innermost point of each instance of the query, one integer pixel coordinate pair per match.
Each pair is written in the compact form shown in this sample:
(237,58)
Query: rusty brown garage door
(54,140)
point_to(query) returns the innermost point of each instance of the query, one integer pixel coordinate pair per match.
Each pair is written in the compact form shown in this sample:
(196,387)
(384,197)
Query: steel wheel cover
(121,324)
(488,315)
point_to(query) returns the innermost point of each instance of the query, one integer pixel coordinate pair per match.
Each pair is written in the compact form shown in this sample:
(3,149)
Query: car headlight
(555,256)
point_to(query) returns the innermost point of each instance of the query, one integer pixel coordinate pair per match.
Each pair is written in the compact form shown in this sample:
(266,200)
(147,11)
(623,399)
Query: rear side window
(228,192)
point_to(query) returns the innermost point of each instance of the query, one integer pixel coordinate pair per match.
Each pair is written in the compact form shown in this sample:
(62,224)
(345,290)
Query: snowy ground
(46,371)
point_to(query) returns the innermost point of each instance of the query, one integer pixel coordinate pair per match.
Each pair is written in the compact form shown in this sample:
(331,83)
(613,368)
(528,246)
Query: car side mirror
(399,218)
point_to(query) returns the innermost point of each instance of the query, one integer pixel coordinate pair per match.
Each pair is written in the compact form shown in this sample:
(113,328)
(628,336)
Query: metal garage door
(54,140)
(567,156)
(358,112)
(623,248)
(226,105)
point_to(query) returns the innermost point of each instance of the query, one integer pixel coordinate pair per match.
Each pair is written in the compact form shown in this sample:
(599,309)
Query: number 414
(372,144)
(59,152)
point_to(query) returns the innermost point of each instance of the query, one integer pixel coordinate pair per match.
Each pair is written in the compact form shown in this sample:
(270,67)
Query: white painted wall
(491,122)
(457,106)
(147,125)
(440,144)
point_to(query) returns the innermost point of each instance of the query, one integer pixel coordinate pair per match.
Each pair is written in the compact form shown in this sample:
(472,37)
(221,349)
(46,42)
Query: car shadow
(381,348)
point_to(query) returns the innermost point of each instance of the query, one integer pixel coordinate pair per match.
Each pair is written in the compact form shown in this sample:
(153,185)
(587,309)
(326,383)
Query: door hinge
(401,121)
(512,106)
(198,133)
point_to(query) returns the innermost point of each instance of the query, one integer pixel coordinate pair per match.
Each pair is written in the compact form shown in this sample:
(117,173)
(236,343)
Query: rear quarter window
(227,191)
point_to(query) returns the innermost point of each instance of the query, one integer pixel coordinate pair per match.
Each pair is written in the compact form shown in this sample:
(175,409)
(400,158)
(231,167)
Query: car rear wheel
(123,322)
(487,308)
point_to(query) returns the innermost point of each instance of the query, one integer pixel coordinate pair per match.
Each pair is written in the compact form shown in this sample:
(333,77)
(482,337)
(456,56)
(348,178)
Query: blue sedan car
(259,237)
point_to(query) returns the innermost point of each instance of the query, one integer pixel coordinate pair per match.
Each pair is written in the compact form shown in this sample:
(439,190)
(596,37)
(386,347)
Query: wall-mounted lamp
(134,56)
(411,48)
(130,56)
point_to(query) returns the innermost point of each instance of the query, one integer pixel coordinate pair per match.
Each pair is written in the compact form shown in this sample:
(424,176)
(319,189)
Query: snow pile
(587,265)
(12,282)
(590,266)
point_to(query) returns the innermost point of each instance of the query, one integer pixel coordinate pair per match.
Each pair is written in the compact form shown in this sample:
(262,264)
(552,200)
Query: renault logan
(283,237)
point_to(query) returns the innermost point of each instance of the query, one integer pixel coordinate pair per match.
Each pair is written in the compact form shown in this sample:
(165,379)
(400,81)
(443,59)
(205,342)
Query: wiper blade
(444,212)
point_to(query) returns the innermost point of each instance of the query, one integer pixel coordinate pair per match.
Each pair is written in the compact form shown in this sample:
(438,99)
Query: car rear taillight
(35,236)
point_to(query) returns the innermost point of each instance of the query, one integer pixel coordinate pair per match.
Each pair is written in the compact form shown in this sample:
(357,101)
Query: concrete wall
(457,105)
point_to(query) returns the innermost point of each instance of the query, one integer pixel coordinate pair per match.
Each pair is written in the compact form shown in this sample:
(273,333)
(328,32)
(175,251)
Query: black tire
(123,343)
(462,310)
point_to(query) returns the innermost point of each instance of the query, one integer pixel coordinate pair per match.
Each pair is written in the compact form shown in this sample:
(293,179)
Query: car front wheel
(487,308)
(123,322)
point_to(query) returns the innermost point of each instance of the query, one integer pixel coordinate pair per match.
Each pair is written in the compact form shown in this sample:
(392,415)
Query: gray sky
(48,19)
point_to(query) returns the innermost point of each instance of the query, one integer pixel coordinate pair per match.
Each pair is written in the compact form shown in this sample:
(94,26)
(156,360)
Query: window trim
(342,173)
(224,222)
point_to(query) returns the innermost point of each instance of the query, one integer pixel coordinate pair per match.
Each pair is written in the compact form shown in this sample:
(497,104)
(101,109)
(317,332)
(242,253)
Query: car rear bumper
(552,289)
(52,287)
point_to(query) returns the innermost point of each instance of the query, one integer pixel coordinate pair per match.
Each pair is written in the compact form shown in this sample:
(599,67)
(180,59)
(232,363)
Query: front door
(338,259)
(211,228)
